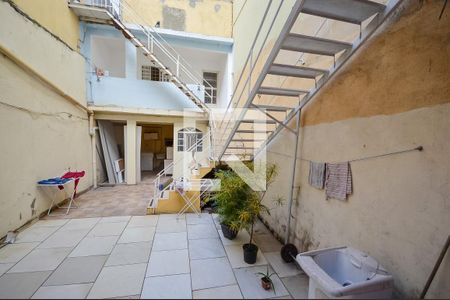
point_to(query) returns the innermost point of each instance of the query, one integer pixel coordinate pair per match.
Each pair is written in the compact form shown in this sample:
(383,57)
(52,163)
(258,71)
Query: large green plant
(231,198)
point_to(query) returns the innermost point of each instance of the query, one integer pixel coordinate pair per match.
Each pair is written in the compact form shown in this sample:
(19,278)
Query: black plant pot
(250,253)
(228,232)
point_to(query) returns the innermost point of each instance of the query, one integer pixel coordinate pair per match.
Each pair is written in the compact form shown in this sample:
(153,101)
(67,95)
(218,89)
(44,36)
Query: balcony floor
(141,257)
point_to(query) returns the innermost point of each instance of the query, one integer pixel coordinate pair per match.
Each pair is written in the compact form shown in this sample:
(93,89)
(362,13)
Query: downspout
(92,129)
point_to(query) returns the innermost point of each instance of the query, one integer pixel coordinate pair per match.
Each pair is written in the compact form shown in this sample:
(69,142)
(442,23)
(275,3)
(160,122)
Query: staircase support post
(294,167)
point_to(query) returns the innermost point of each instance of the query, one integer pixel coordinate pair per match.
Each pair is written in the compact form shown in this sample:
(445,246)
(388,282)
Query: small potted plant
(266,281)
(252,208)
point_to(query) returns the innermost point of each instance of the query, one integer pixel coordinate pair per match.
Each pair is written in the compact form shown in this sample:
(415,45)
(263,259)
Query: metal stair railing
(160,52)
(165,171)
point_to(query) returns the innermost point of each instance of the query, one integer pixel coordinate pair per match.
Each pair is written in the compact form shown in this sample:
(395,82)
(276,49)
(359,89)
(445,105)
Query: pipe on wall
(92,129)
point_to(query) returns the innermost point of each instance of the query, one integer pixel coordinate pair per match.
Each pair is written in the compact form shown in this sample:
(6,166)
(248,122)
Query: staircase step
(351,11)
(272,107)
(281,92)
(247,121)
(314,45)
(296,71)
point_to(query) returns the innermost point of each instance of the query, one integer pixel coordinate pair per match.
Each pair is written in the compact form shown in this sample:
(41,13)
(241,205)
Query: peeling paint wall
(392,95)
(208,17)
(44,129)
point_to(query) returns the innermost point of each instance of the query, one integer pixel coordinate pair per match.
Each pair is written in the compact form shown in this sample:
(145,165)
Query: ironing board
(53,189)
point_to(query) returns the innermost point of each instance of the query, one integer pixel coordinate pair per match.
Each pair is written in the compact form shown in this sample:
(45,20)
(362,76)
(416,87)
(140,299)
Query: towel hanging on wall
(317,174)
(338,182)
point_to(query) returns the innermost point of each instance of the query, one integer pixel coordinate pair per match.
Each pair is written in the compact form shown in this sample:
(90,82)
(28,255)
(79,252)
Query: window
(153,74)
(188,137)
(210,87)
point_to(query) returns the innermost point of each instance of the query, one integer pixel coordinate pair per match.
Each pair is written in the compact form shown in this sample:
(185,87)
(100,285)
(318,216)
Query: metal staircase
(145,38)
(255,102)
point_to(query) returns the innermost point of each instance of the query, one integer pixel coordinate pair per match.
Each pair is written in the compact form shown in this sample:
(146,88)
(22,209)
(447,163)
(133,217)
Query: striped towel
(338,182)
(317,174)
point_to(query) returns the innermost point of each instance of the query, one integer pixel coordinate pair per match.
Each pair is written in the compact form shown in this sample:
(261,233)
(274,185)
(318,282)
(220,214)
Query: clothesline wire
(419,148)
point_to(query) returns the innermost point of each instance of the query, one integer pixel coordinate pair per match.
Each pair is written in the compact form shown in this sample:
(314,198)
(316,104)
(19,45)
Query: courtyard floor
(149,257)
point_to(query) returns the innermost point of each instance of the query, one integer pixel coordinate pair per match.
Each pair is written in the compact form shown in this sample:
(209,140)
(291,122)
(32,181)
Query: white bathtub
(345,272)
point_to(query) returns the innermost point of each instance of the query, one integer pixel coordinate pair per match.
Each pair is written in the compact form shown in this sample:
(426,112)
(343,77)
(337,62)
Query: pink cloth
(74,175)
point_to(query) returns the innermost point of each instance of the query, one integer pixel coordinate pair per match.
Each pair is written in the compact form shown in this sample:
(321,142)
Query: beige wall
(43,127)
(55,16)
(392,95)
(208,17)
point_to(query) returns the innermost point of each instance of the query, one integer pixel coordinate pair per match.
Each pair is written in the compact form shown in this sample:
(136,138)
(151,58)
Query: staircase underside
(271,107)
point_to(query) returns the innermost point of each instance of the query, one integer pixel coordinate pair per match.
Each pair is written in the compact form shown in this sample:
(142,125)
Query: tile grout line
(53,271)
(148,261)
(96,278)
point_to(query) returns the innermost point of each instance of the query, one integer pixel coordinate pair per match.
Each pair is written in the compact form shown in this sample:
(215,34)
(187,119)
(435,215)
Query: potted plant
(230,200)
(266,281)
(252,208)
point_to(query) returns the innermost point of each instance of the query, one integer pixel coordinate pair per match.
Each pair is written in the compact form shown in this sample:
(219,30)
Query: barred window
(188,137)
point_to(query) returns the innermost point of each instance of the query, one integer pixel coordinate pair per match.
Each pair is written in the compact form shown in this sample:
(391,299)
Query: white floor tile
(127,254)
(164,217)
(4,268)
(95,246)
(171,225)
(137,234)
(143,221)
(107,229)
(80,224)
(15,252)
(118,281)
(267,242)
(41,260)
(170,241)
(206,248)
(235,254)
(224,292)
(241,238)
(114,219)
(204,218)
(50,223)
(76,291)
(250,283)
(77,270)
(208,273)
(168,263)
(64,239)
(282,268)
(297,285)
(35,234)
(21,285)
(167,287)
(202,231)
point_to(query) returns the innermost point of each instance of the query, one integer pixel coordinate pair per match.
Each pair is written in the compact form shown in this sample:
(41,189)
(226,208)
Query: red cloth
(74,175)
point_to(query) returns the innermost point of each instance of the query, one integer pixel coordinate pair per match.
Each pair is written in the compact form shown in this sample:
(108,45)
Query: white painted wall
(200,61)
(109,54)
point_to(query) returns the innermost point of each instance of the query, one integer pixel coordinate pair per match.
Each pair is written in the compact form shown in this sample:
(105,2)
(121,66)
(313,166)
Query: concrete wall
(208,17)
(55,16)
(43,123)
(392,95)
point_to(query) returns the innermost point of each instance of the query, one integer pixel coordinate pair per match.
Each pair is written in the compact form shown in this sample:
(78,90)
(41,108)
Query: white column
(130,60)
(130,152)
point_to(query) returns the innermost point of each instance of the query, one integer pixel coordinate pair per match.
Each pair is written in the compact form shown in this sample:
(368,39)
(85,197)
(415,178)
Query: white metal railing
(166,170)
